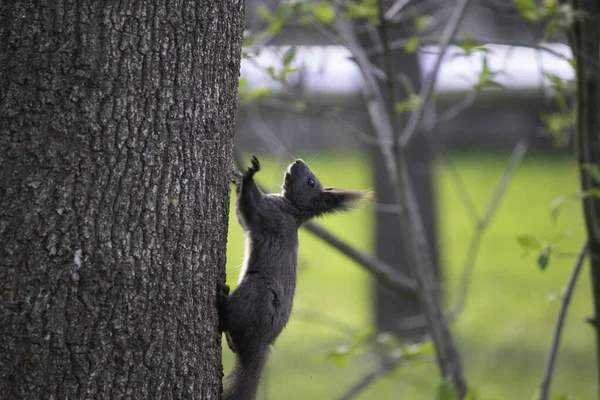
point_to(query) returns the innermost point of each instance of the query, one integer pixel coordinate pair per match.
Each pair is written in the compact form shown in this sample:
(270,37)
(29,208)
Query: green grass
(505,330)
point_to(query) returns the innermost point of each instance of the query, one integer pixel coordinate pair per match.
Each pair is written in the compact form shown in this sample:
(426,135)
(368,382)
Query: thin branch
(384,367)
(381,270)
(427,88)
(325,320)
(550,363)
(429,41)
(387,65)
(467,200)
(458,108)
(516,157)
(373,97)
(366,380)
(395,9)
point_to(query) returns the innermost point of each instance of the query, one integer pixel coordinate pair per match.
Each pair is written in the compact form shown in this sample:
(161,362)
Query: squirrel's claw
(255,165)
(254,168)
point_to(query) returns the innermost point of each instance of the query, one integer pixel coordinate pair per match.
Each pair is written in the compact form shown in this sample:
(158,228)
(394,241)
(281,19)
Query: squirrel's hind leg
(222,299)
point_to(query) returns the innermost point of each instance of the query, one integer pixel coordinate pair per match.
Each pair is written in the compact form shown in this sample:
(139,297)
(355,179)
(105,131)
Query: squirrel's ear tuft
(343,200)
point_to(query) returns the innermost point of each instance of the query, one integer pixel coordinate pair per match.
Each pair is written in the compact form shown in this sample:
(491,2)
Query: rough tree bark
(116,129)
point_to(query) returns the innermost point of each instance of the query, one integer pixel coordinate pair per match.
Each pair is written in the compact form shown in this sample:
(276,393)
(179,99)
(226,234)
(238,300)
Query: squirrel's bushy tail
(242,381)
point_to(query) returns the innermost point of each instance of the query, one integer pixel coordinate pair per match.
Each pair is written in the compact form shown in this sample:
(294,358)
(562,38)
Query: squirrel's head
(301,185)
(304,190)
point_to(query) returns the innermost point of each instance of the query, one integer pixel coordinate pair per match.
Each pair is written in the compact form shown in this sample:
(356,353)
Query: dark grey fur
(259,308)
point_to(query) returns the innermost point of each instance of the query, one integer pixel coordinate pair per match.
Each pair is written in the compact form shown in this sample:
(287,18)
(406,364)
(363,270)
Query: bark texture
(116,129)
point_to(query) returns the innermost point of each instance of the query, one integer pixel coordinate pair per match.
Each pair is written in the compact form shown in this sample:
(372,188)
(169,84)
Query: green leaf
(300,106)
(282,77)
(593,170)
(562,396)
(593,192)
(559,84)
(412,44)
(544,257)
(472,395)
(251,94)
(323,12)
(529,242)
(363,336)
(471,46)
(264,13)
(485,79)
(276,25)
(259,91)
(557,123)
(340,356)
(387,339)
(242,84)
(289,55)
(550,29)
(363,9)
(422,22)
(409,104)
(445,391)
(491,84)
(556,204)
(528,9)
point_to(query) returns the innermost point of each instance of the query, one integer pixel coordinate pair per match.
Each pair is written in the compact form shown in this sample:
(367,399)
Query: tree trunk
(116,129)
(584,39)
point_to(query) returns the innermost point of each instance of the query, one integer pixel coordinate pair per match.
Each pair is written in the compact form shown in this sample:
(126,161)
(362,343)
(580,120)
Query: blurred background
(491,163)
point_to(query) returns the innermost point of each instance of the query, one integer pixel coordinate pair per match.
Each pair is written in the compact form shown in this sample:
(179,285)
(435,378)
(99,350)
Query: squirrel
(256,312)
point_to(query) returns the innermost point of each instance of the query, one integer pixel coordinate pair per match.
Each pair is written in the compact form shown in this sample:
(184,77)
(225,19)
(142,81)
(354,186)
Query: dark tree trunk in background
(116,129)
(584,39)
(395,313)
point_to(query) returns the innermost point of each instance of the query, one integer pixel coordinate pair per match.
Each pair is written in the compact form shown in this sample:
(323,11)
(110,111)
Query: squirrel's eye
(311,182)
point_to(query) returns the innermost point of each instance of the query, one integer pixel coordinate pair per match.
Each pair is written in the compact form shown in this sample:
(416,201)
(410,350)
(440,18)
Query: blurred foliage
(506,328)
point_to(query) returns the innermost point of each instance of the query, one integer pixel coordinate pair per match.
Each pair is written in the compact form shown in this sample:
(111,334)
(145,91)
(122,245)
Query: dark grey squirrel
(256,312)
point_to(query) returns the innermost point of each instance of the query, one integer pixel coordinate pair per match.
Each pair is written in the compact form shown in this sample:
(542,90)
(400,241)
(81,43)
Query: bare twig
(549,369)
(325,320)
(382,271)
(373,97)
(594,65)
(266,134)
(429,41)
(394,9)
(384,367)
(467,200)
(387,65)
(458,108)
(474,244)
(366,380)
(427,88)
(475,241)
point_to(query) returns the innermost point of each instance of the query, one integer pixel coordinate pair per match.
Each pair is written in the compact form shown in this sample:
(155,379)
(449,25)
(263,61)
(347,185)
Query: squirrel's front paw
(254,168)
(222,293)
